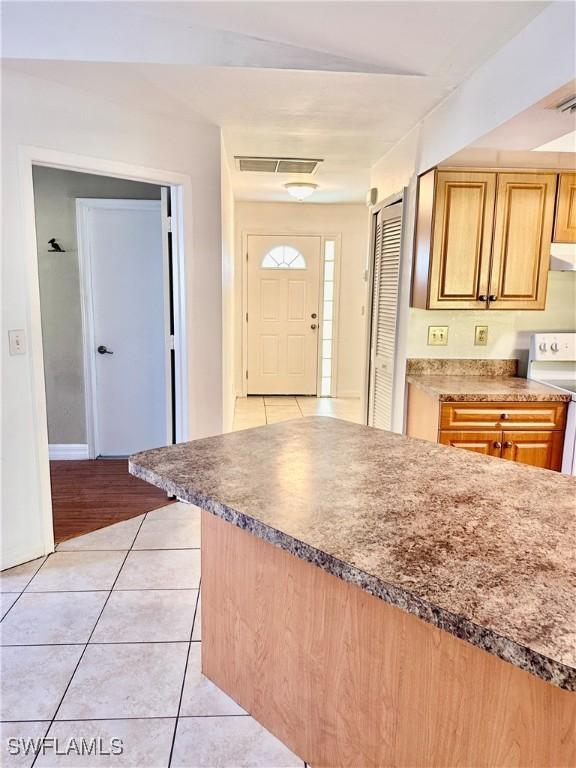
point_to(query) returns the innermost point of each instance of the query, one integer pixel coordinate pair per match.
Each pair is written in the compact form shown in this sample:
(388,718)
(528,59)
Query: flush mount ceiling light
(301,190)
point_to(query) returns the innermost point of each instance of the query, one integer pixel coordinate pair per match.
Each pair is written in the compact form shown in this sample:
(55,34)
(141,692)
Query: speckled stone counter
(478,389)
(479,547)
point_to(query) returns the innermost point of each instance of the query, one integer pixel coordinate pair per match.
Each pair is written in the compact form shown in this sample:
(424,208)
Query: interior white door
(123,247)
(283,314)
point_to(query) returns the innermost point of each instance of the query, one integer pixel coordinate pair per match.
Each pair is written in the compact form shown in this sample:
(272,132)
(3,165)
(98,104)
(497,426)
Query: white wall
(228,315)
(349,221)
(44,114)
(508,331)
(539,60)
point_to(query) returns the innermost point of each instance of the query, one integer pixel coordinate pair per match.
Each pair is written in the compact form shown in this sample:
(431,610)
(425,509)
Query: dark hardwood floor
(87,495)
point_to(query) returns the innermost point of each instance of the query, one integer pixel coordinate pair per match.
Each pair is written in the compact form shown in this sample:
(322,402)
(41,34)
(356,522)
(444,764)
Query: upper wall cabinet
(483,240)
(565,226)
(522,238)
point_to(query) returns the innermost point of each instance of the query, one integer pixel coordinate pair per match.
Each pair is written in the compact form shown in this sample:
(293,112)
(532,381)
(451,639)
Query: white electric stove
(552,361)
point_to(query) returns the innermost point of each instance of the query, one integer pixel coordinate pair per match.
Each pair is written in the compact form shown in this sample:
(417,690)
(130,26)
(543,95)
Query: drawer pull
(497,444)
(508,444)
(505,416)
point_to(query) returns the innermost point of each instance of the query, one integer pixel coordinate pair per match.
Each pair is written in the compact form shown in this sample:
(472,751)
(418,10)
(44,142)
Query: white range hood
(563,257)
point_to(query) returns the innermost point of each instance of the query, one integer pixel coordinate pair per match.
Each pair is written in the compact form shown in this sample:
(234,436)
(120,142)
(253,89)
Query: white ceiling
(308,79)
(541,124)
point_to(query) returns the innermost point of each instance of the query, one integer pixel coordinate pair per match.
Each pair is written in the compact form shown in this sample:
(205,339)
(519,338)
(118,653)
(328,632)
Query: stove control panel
(559,347)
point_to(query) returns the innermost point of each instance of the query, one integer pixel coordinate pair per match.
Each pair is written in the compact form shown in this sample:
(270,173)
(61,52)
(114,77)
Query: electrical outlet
(481,335)
(17,342)
(437,335)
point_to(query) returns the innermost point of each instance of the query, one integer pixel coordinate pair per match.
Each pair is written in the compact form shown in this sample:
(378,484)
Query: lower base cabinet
(527,432)
(539,449)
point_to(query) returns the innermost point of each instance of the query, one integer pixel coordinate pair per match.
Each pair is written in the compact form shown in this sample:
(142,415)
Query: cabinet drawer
(465,416)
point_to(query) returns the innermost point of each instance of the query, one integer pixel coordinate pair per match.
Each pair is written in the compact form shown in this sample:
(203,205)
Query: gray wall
(55,193)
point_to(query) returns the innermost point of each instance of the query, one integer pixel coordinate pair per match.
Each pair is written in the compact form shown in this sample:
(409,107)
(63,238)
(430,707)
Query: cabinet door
(540,449)
(489,443)
(565,225)
(462,239)
(522,238)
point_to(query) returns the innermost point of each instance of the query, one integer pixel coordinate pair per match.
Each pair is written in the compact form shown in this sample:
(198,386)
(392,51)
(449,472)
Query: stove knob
(554,347)
(543,346)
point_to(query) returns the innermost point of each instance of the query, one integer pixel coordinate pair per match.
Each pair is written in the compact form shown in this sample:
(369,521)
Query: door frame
(180,196)
(337,238)
(83,207)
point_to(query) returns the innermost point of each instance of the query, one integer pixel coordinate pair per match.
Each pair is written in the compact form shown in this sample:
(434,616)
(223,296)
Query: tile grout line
(88,641)
(184,678)
(106,719)
(25,587)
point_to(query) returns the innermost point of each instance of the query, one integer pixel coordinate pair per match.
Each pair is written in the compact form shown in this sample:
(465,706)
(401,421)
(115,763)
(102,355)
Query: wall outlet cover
(481,335)
(437,335)
(17,342)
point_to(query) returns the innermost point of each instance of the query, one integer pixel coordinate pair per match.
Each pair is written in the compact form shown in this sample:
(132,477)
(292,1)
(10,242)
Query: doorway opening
(110,311)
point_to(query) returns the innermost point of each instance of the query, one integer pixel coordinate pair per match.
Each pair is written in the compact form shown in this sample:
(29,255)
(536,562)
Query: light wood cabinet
(522,238)
(530,433)
(462,239)
(487,443)
(540,449)
(565,224)
(483,239)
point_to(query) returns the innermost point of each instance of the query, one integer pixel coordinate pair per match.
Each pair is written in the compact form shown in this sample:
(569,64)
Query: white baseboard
(348,393)
(68,451)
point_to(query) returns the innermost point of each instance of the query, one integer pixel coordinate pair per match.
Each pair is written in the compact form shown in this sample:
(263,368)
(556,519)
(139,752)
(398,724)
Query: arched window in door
(283,257)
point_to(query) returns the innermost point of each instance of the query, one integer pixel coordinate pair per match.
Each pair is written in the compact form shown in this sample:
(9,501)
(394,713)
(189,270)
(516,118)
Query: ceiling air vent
(277,164)
(567,105)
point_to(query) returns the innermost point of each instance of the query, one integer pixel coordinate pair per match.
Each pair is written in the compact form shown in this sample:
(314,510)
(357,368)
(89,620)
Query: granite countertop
(480,547)
(477,389)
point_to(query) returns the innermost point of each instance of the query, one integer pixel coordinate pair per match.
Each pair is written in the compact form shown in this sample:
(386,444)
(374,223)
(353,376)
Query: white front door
(125,273)
(283,312)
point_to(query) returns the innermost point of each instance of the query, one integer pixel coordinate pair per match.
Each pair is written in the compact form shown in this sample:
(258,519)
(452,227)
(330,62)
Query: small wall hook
(55,247)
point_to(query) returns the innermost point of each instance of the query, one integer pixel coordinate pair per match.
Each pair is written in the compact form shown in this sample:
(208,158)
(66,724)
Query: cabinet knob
(504,416)
(483,297)
(497,444)
(492,297)
(508,444)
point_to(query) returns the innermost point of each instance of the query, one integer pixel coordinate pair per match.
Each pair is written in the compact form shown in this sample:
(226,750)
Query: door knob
(313,315)
(508,444)
(483,297)
(504,416)
(497,444)
(492,297)
(104,350)
(313,326)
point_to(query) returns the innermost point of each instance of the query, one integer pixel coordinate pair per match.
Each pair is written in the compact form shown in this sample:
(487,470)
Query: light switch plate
(17,342)
(481,335)
(437,335)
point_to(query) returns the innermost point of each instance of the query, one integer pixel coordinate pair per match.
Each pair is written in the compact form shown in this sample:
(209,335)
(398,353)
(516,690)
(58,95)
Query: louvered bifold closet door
(387,243)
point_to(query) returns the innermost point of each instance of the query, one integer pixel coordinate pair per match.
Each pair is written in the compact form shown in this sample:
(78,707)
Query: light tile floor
(102,640)
(256,411)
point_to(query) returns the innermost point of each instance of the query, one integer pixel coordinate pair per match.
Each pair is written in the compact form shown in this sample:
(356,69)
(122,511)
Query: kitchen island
(377,600)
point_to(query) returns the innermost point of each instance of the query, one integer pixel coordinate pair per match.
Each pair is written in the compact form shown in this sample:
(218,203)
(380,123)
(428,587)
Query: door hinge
(246,374)
(246,255)
(246,316)
(171,341)
(168,223)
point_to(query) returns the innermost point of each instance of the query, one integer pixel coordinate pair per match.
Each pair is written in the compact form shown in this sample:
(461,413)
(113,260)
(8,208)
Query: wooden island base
(344,679)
